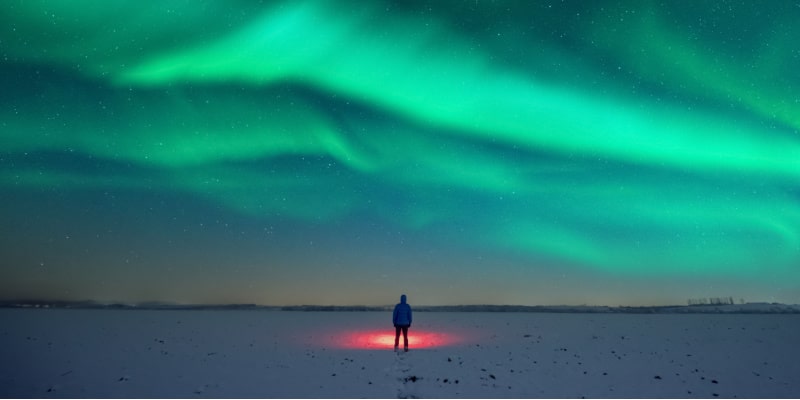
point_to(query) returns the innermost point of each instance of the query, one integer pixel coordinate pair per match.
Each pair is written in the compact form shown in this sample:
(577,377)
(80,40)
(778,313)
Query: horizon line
(28,301)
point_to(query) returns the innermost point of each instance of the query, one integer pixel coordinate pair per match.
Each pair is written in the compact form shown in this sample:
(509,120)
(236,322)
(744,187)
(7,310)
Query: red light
(384,339)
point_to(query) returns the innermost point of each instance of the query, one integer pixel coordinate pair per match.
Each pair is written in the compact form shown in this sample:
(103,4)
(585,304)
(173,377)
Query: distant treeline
(716,301)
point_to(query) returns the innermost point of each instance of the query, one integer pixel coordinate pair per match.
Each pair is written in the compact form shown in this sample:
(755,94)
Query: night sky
(461,152)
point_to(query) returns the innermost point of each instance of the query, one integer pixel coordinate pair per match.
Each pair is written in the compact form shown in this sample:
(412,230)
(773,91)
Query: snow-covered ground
(139,353)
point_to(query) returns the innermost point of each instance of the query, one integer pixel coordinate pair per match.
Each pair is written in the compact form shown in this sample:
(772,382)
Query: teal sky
(461,152)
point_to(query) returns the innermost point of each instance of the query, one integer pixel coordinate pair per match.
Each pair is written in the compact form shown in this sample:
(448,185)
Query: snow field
(187,354)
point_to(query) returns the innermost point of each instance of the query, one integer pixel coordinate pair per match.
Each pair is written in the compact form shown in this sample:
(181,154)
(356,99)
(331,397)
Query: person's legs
(396,336)
(405,337)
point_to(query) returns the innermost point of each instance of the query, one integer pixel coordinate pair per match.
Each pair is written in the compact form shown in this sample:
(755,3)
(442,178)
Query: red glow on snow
(384,339)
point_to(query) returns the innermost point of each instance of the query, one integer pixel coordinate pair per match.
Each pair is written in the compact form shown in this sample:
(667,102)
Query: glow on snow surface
(384,339)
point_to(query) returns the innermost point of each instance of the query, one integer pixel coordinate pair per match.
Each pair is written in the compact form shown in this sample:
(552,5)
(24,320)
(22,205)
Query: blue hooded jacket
(402,313)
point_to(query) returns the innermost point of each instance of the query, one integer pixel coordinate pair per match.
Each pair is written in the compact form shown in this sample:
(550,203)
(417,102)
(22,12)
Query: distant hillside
(89,304)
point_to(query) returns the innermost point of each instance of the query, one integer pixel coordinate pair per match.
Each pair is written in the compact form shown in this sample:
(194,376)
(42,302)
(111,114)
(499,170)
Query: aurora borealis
(462,152)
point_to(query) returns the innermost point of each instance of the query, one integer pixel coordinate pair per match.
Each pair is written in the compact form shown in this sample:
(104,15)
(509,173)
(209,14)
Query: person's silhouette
(401,318)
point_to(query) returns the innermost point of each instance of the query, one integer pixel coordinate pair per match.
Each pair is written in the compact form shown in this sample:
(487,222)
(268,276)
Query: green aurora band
(412,121)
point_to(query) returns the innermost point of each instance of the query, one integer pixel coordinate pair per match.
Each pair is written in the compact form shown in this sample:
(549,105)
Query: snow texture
(187,354)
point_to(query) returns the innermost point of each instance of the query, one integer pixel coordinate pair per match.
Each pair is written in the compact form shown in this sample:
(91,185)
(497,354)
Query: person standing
(401,318)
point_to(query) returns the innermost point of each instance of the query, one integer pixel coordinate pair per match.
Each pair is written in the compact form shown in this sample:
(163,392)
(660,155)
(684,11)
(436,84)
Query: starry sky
(461,152)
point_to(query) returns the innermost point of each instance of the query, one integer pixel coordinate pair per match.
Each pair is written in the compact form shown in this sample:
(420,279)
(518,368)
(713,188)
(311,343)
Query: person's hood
(403,299)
